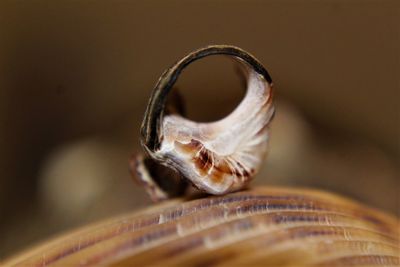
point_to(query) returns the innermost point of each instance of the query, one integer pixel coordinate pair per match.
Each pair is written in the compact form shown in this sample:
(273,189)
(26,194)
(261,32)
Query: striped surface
(263,226)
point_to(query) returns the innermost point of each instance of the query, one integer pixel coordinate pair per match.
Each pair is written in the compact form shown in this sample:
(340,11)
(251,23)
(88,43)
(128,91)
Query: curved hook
(151,126)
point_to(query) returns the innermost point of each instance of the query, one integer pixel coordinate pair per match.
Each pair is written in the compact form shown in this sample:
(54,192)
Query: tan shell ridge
(259,227)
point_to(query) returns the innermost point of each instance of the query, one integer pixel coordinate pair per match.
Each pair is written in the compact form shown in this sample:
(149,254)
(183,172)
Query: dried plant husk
(257,227)
(215,157)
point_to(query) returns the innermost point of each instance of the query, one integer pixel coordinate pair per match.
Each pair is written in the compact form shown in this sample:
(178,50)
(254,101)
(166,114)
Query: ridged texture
(263,226)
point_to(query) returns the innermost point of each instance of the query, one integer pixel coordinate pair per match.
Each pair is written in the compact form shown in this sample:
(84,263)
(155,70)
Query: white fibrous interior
(221,156)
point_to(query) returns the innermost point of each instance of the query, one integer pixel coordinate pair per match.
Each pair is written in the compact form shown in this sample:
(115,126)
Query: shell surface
(262,226)
(217,157)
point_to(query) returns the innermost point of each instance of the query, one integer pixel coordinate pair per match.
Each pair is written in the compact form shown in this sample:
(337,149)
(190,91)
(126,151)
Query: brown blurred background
(75,77)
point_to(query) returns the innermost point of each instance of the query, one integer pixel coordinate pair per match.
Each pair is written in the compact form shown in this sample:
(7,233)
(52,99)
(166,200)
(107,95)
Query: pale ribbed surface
(264,226)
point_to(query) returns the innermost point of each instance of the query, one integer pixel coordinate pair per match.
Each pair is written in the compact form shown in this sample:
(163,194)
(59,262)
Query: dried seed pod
(259,227)
(217,157)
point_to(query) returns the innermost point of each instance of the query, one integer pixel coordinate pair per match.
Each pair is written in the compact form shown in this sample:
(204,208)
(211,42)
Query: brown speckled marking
(205,163)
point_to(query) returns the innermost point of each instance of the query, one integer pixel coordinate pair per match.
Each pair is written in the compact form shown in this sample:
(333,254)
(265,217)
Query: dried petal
(217,157)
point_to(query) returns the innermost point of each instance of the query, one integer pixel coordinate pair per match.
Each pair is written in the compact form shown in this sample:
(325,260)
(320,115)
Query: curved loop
(151,127)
